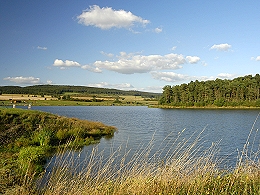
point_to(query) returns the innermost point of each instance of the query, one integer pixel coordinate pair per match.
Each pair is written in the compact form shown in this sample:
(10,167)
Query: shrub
(62,134)
(30,158)
(219,102)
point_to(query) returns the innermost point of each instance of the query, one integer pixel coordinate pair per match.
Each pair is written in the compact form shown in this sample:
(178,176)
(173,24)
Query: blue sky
(129,45)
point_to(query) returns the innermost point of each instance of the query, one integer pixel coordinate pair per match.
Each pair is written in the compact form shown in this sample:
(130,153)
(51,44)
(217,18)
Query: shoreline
(72,103)
(207,107)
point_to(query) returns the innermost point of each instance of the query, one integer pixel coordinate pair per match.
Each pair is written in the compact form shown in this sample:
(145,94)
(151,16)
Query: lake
(138,125)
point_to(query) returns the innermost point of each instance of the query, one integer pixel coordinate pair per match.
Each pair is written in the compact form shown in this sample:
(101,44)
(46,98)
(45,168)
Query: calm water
(137,126)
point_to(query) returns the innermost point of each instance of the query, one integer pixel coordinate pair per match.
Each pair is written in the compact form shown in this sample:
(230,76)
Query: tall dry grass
(182,163)
(180,166)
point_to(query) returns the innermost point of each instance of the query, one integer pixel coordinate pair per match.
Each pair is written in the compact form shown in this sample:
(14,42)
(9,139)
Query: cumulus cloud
(155,89)
(181,78)
(122,86)
(225,76)
(23,80)
(169,76)
(173,48)
(178,78)
(106,18)
(132,63)
(42,48)
(256,59)
(192,59)
(221,47)
(204,63)
(158,30)
(65,64)
(49,82)
(90,68)
(110,55)
(68,63)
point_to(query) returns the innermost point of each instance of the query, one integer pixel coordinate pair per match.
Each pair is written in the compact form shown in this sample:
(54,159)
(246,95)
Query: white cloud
(225,76)
(92,69)
(127,87)
(255,58)
(158,30)
(68,63)
(192,59)
(178,78)
(110,55)
(204,63)
(23,80)
(154,89)
(173,48)
(122,86)
(132,63)
(49,82)
(169,76)
(106,18)
(65,64)
(221,47)
(42,48)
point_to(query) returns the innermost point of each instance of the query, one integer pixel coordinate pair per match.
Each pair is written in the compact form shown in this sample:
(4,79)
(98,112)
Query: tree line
(57,90)
(241,91)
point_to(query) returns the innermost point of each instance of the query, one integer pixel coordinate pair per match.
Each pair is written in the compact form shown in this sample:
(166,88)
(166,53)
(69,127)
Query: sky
(129,45)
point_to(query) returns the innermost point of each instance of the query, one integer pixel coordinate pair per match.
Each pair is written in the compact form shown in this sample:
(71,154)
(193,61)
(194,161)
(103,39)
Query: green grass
(28,137)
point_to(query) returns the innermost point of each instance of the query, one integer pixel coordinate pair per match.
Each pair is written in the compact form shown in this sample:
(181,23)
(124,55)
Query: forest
(57,90)
(241,91)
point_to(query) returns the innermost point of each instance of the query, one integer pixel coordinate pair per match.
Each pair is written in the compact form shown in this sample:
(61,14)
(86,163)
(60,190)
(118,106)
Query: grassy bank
(28,137)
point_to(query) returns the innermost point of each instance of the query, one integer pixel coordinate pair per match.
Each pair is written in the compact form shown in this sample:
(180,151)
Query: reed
(186,168)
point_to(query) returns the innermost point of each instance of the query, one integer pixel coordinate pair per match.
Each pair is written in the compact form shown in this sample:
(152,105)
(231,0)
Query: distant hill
(57,90)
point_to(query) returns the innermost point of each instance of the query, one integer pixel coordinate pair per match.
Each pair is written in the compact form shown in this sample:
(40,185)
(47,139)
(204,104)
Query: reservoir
(138,126)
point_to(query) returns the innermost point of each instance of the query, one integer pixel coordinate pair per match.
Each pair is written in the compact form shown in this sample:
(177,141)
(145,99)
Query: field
(24,97)
(75,99)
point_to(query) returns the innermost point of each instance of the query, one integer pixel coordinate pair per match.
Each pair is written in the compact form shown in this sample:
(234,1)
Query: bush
(30,158)
(62,135)
(257,103)
(219,102)
(44,137)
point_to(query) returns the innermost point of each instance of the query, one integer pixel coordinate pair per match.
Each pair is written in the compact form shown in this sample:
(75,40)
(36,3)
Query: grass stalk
(188,168)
